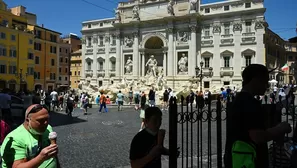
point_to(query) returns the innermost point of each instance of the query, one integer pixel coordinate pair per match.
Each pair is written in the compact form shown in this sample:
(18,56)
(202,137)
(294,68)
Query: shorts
(142,114)
(120,103)
(85,106)
(55,102)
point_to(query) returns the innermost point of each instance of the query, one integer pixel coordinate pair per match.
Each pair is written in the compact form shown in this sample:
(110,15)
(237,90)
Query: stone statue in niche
(152,66)
(216,29)
(193,5)
(135,12)
(117,15)
(237,27)
(106,37)
(182,64)
(129,65)
(183,36)
(128,41)
(170,8)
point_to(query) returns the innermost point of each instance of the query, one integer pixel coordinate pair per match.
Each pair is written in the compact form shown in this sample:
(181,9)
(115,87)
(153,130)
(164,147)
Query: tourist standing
(152,97)
(142,106)
(120,98)
(136,100)
(102,103)
(248,132)
(130,96)
(54,95)
(85,104)
(69,105)
(165,100)
(97,100)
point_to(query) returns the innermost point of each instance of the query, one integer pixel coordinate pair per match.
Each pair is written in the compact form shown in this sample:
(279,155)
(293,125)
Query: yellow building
(16,51)
(75,68)
(291,50)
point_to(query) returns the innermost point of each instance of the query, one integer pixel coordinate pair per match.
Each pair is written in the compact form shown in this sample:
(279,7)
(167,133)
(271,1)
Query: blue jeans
(101,106)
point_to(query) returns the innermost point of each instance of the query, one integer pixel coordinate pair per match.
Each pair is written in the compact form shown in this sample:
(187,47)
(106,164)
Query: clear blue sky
(65,16)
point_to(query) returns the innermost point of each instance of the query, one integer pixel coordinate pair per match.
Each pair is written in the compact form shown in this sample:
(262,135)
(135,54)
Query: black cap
(254,71)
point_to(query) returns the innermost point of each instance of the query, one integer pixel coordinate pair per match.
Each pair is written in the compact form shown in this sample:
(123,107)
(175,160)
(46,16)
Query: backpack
(243,155)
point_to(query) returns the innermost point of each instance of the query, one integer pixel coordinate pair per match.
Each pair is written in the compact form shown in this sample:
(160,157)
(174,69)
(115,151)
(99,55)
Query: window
(38,34)
(53,62)
(30,41)
(226,62)
(89,66)
(226,83)
(60,69)
(89,41)
(53,38)
(66,78)
(60,78)
(248,60)
(207,10)
(74,73)
(206,84)
(2,51)
(37,60)
(101,41)
(53,49)
(248,27)
(3,69)
(113,66)
(66,51)
(13,52)
(89,25)
(226,8)
(61,59)
(37,46)
(247,5)
(227,28)
(101,66)
(12,37)
(60,49)
(206,62)
(114,38)
(3,35)
(66,60)
(31,56)
(52,76)
(66,70)
(101,24)
(36,75)
(78,72)
(30,71)
(12,69)
(206,30)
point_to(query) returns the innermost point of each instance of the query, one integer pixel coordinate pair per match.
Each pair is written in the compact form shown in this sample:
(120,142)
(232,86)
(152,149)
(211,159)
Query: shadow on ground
(59,119)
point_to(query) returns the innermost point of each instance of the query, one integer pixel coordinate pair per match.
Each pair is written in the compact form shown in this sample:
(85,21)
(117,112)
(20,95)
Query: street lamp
(200,75)
(19,75)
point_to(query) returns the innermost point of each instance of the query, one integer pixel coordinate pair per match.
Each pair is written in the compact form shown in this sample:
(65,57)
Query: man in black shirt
(147,147)
(247,117)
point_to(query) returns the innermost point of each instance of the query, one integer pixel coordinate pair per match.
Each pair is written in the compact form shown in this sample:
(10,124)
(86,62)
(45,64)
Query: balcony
(207,72)
(227,71)
(249,34)
(207,41)
(89,73)
(112,73)
(100,73)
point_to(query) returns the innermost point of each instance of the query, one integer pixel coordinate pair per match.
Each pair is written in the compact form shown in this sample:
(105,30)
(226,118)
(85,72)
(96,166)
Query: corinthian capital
(170,30)
(193,28)
(117,34)
(135,33)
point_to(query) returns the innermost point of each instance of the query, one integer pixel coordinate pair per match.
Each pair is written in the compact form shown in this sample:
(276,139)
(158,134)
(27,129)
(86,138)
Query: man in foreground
(247,122)
(29,145)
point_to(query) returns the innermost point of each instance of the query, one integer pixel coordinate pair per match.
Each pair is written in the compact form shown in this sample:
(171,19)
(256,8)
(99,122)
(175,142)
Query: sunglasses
(35,109)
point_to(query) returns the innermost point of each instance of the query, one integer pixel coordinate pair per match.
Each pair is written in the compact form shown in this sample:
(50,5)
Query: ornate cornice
(193,28)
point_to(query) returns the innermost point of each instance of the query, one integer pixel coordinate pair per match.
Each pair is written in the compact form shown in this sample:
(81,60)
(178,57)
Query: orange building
(46,51)
(64,65)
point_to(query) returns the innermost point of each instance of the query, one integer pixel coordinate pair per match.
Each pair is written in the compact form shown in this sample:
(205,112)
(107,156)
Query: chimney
(42,25)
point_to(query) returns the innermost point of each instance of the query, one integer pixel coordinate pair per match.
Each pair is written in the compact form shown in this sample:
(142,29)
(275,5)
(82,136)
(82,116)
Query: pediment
(207,53)
(112,58)
(226,52)
(89,59)
(248,51)
(100,58)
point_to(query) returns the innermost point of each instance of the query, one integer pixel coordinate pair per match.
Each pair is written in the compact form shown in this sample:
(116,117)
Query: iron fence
(200,133)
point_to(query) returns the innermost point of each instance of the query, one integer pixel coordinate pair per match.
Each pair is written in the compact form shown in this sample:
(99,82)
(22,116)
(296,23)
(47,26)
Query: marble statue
(117,15)
(135,12)
(183,36)
(128,42)
(128,66)
(152,66)
(182,64)
(170,9)
(193,5)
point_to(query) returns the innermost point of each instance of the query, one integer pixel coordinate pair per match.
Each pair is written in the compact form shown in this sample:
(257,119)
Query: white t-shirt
(275,89)
(5,101)
(54,95)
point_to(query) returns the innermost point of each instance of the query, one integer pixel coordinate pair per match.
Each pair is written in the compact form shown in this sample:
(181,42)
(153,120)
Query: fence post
(219,132)
(173,132)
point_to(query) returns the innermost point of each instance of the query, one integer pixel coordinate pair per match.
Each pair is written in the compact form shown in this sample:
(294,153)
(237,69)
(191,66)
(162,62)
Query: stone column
(143,64)
(170,54)
(83,60)
(165,63)
(192,58)
(118,55)
(107,41)
(135,54)
(94,63)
